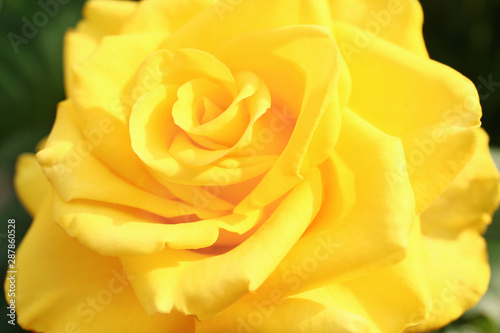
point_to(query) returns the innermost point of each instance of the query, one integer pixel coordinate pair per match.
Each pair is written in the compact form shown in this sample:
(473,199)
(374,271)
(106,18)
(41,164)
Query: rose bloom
(255,166)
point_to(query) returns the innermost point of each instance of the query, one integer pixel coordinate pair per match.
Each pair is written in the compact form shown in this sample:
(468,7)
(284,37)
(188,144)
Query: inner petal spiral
(187,126)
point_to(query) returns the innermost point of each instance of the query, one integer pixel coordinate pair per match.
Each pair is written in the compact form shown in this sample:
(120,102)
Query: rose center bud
(194,124)
(209,116)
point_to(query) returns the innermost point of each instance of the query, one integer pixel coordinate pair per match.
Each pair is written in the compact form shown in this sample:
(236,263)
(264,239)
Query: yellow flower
(255,166)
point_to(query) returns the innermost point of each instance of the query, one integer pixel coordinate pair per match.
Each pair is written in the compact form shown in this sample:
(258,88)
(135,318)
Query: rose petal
(470,200)
(100,19)
(359,305)
(260,315)
(374,295)
(458,274)
(51,266)
(299,66)
(432,108)
(228,276)
(240,16)
(151,131)
(69,164)
(99,93)
(455,252)
(398,21)
(367,220)
(30,183)
(163,16)
(112,230)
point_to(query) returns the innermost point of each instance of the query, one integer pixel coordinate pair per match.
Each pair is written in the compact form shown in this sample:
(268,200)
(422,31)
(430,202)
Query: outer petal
(398,21)
(101,18)
(99,91)
(432,108)
(107,214)
(455,252)
(120,231)
(458,273)
(469,200)
(75,173)
(30,183)
(380,293)
(62,286)
(365,222)
(240,16)
(301,314)
(164,16)
(231,275)
(385,301)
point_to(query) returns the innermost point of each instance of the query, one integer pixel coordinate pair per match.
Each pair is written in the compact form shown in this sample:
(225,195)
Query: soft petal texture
(112,230)
(164,16)
(398,21)
(69,164)
(469,200)
(458,273)
(149,126)
(432,108)
(101,18)
(456,258)
(30,184)
(100,92)
(260,315)
(372,303)
(87,291)
(168,152)
(107,221)
(379,293)
(367,220)
(229,276)
(112,17)
(312,76)
(241,17)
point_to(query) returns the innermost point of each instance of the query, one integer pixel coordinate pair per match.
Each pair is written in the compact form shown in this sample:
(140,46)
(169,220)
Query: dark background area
(464,34)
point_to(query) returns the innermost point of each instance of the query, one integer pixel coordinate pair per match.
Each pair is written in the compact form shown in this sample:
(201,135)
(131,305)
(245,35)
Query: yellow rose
(255,166)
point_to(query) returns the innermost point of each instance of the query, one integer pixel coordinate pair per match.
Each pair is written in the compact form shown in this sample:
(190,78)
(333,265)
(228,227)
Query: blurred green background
(464,34)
